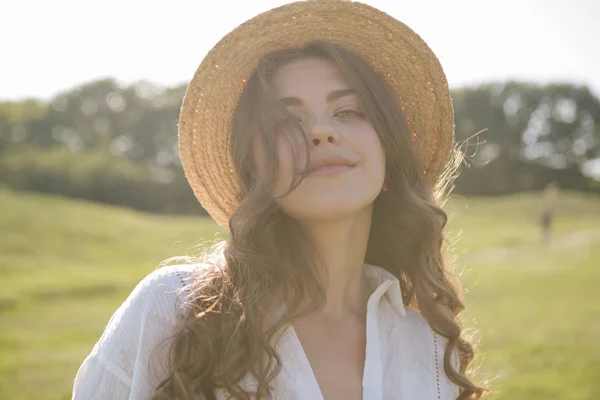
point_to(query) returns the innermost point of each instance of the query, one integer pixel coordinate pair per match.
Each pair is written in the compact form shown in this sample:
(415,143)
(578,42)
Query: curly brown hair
(269,259)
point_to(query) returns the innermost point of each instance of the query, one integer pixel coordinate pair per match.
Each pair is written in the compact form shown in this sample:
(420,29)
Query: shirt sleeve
(128,362)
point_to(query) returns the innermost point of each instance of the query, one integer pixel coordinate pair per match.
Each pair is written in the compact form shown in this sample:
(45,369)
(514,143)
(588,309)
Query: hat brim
(396,52)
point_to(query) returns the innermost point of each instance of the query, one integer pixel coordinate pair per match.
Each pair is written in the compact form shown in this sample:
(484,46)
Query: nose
(322,134)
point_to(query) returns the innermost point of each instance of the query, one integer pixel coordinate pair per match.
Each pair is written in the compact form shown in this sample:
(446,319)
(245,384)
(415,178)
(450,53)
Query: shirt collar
(381,278)
(383,283)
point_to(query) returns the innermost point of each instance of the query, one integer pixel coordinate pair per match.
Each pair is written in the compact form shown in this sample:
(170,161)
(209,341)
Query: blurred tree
(95,134)
(23,124)
(555,126)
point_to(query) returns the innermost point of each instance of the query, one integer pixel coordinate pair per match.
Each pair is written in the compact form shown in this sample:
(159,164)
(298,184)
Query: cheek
(373,156)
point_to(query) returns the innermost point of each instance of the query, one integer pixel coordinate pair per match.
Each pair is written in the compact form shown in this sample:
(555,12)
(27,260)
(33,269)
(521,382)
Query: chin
(328,206)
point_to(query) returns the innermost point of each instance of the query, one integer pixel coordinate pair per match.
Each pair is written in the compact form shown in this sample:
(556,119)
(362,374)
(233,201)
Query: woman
(319,134)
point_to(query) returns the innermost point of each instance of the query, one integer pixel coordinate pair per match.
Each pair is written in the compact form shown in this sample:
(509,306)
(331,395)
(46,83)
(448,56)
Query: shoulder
(414,330)
(138,330)
(167,277)
(417,321)
(421,332)
(435,344)
(418,337)
(162,286)
(155,303)
(152,310)
(168,281)
(418,351)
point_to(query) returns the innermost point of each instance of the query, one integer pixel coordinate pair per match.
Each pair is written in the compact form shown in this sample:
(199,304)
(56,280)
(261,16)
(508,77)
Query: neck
(343,245)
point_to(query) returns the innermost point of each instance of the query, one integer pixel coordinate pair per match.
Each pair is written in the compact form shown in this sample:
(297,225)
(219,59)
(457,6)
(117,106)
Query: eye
(349,114)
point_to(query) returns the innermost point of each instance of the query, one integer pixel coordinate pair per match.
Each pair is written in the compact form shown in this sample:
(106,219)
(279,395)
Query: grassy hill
(66,265)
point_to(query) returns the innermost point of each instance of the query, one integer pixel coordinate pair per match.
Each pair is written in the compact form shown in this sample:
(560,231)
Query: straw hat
(397,53)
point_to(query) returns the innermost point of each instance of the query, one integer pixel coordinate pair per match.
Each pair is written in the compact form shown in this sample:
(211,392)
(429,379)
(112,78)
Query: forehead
(308,76)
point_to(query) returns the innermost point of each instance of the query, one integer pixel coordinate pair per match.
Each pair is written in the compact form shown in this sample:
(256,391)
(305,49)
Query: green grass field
(65,266)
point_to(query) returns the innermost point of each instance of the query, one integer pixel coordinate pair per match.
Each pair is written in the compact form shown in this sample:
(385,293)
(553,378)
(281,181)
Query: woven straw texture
(393,50)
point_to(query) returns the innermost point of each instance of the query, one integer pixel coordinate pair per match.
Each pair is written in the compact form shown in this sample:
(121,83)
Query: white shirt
(400,359)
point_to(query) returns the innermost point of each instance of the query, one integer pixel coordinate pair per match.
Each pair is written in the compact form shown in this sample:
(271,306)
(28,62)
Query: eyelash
(340,114)
(349,113)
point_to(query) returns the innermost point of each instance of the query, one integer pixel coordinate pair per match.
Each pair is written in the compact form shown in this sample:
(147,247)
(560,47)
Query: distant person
(315,133)
(549,196)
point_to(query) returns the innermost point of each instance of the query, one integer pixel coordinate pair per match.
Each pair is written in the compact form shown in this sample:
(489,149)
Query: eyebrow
(335,95)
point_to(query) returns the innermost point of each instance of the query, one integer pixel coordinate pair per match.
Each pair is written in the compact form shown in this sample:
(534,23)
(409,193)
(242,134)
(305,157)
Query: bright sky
(50,46)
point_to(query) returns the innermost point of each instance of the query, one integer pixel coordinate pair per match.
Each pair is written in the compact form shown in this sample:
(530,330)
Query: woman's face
(346,169)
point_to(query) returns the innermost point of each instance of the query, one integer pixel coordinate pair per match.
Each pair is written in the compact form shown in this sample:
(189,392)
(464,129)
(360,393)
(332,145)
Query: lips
(331,164)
